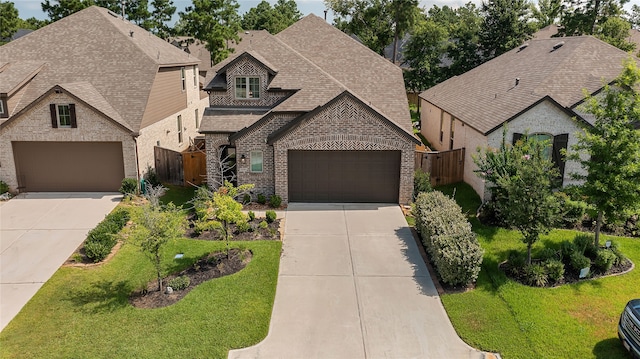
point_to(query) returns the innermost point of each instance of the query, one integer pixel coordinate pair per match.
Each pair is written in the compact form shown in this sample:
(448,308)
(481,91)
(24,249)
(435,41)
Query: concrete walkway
(352,285)
(38,232)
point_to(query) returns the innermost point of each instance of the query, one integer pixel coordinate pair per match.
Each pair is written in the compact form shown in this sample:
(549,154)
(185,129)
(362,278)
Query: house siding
(430,126)
(35,125)
(344,125)
(166,96)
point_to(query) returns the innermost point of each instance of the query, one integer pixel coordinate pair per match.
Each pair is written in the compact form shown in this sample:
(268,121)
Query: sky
(31,8)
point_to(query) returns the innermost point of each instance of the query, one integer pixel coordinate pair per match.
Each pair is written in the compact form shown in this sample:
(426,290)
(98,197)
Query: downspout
(135,135)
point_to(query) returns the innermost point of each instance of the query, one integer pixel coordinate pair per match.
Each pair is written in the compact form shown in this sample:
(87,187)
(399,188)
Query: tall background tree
(273,19)
(9,20)
(57,9)
(506,24)
(215,23)
(547,12)
(161,14)
(612,167)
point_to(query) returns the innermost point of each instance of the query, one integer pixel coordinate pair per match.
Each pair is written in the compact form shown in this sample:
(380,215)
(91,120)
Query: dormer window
(247,87)
(4,112)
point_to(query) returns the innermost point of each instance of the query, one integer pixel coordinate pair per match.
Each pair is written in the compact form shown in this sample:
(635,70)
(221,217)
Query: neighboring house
(536,88)
(550,31)
(83,102)
(194,48)
(312,116)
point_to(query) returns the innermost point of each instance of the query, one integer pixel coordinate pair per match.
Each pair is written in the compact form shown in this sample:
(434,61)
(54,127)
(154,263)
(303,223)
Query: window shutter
(72,114)
(516,137)
(54,115)
(559,142)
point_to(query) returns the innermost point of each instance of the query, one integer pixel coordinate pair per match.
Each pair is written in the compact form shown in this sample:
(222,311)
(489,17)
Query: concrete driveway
(352,284)
(38,232)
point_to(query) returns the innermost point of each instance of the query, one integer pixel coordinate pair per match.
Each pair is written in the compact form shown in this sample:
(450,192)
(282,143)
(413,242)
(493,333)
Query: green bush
(261,198)
(567,249)
(605,259)
(421,183)
(271,216)
(578,261)
(572,212)
(206,226)
(536,275)
(620,257)
(275,201)
(585,244)
(179,283)
(101,240)
(448,238)
(243,226)
(151,177)
(264,225)
(555,270)
(251,215)
(517,261)
(4,187)
(129,187)
(246,198)
(547,254)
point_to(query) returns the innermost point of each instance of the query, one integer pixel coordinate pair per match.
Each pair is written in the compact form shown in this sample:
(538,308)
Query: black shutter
(72,114)
(54,115)
(516,137)
(559,142)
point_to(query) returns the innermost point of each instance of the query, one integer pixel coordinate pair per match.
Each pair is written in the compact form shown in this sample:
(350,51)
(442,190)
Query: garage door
(344,176)
(69,166)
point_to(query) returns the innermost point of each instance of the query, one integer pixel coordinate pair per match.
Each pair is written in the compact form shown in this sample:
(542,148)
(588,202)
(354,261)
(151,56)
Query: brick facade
(35,125)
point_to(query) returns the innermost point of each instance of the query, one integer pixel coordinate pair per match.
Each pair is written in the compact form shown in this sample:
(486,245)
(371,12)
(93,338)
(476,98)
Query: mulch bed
(569,277)
(254,206)
(272,232)
(215,265)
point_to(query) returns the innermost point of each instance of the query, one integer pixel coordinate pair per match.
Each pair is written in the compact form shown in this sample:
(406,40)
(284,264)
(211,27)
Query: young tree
(227,210)
(215,23)
(9,20)
(522,175)
(155,227)
(612,169)
(505,26)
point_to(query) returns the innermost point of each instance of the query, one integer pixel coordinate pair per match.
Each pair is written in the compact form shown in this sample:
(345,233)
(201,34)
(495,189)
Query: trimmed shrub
(4,187)
(567,249)
(548,254)
(263,225)
(206,226)
(275,201)
(517,261)
(243,226)
(151,177)
(129,187)
(251,215)
(271,216)
(578,261)
(448,238)
(572,212)
(261,198)
(605,259)
(536,275)
(421,183)
(101,240)
(179,283)
(246,198)
(555,270)
(585,244)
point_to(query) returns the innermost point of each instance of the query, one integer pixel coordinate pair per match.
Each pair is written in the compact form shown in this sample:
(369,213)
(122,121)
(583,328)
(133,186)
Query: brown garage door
(344,176)
(68,166)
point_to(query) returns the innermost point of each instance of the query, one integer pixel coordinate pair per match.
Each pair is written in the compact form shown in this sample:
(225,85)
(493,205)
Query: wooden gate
(195,167)
(169,166)
(444,167)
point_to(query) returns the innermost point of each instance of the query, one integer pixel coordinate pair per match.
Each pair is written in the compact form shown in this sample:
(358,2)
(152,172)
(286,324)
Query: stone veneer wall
(246,67)
(345,125)
(35,125)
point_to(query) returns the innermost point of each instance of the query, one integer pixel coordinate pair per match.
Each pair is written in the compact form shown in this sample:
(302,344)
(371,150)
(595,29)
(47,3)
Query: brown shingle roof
(119,59)
(12,75)
(321,62)
(229,120)
(487,96)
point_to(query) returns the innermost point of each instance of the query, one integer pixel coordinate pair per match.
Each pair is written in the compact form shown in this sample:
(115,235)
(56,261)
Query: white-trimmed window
(256,161)
(2,108)
(195,76)
(183,78)
(247,87)
(179,128)
(197,119)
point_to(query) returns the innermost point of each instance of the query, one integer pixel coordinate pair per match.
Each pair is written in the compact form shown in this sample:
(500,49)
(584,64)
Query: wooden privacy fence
(444,167)
(180,168)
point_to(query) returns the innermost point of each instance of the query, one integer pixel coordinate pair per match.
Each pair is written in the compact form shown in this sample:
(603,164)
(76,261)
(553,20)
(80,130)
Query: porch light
(243,159)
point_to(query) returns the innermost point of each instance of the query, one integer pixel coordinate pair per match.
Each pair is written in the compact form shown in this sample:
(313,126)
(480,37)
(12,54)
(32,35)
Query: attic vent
(112,13)
(558,45)
(523,46)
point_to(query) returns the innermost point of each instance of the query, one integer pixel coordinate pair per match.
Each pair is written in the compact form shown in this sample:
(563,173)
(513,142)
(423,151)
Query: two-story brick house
(311,115)
(83,102)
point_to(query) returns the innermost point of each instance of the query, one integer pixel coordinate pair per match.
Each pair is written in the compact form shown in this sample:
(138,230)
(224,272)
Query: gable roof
(489,95)
(319,62)
(117,58)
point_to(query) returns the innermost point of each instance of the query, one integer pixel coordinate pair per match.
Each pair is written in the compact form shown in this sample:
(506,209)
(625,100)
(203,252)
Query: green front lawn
(85,313)
(179,195)
(573,321)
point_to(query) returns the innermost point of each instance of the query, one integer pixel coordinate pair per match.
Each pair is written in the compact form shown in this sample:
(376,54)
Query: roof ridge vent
(523,46)
(112,13)
(558,45)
